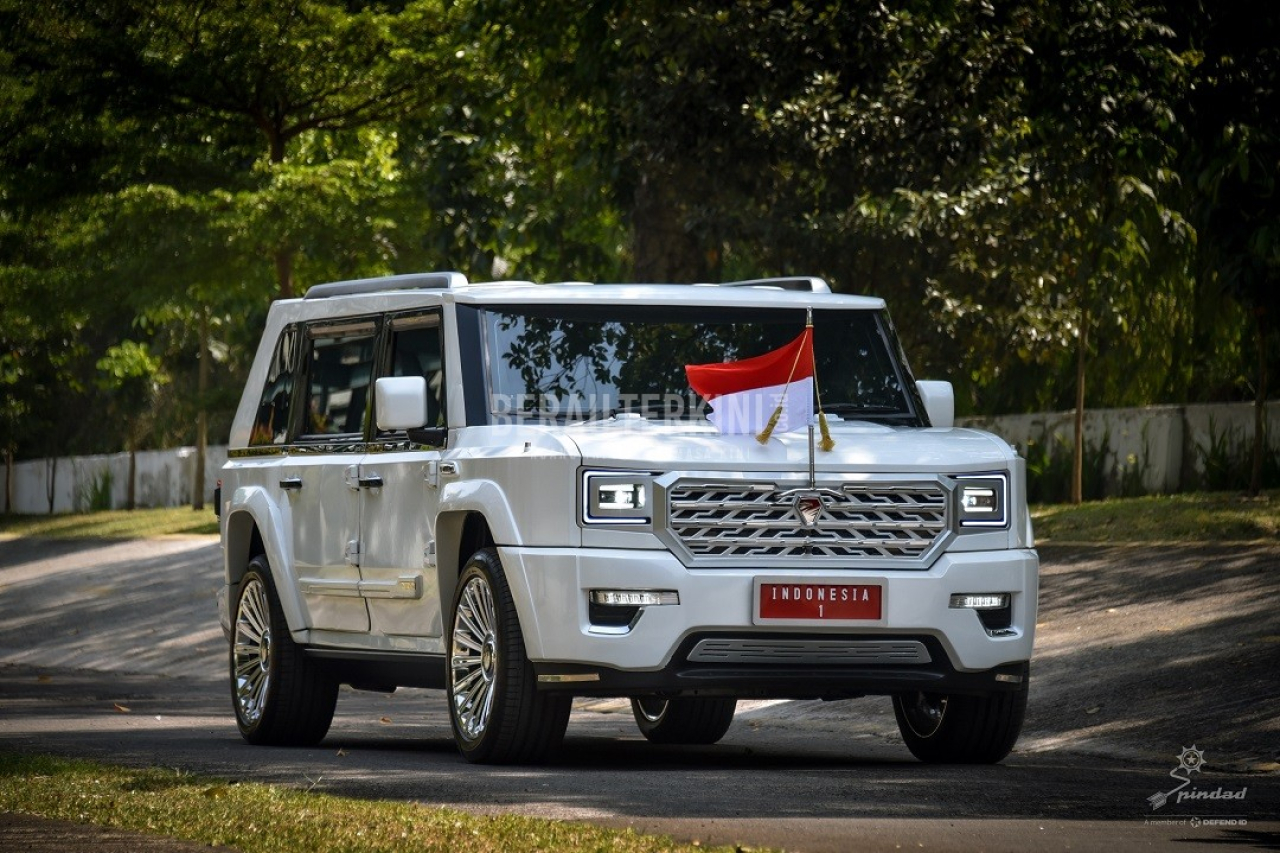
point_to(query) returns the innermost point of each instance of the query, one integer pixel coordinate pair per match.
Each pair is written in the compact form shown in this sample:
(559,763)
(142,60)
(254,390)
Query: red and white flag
(744,395)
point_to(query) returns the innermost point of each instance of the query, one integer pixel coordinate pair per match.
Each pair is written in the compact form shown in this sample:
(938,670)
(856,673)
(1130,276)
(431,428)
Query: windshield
(585,362)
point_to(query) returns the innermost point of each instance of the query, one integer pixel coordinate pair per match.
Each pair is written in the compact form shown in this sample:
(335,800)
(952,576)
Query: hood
(631,442)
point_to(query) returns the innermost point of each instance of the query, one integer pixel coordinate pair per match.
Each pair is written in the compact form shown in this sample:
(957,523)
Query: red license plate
(819,601)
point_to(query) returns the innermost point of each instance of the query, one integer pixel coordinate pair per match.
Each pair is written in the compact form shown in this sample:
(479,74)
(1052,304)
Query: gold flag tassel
(828,443)
(767,432)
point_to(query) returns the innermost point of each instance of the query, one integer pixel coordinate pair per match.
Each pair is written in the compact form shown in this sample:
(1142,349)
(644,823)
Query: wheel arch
(253,527)
(459,534)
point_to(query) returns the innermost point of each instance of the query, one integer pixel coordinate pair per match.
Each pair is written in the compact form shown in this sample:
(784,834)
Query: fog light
(634,597)
(980,601)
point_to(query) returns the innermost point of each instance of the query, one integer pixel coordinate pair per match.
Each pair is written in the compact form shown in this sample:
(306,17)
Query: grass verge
(1197,517)
(254,817)
(113,524)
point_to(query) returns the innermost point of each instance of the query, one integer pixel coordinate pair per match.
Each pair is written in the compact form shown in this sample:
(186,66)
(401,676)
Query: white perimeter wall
(164,478)
(1167,444)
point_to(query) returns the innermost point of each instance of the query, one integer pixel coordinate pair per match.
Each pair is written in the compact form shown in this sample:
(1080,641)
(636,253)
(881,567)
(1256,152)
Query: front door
(398,517)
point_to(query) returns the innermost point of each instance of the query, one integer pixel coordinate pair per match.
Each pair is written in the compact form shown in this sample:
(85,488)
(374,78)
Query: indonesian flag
(744,395)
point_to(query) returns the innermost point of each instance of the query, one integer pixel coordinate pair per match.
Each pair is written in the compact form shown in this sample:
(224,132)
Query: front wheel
(497,713)
(683,721)
(941,728)
(281,698)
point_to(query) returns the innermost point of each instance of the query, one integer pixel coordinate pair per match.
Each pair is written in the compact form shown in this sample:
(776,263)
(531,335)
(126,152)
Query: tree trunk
(8,480)
(284,273)
(51,481)
(202,416)
(131,491)
(1077,456)
(1259,405)
(665,248)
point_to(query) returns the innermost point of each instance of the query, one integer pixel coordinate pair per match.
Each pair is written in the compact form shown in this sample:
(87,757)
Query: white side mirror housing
(401,402)
(939,402)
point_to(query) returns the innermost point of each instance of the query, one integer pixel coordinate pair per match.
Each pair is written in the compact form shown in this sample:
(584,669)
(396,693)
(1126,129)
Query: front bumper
(663,651)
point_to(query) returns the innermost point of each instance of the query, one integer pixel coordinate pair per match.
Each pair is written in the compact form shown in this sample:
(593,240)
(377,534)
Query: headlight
(616,498)
(983,501)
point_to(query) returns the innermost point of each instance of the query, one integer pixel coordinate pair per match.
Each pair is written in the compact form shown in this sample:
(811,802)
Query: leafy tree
(1232,155)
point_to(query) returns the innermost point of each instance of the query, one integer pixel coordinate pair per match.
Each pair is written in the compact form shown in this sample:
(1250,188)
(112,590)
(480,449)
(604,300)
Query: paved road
(113,652)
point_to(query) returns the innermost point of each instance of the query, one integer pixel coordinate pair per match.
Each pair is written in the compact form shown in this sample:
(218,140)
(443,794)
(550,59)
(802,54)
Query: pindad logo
(1191,760)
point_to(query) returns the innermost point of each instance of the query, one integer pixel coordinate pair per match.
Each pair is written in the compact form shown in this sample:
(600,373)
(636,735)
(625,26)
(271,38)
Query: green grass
(1199,517)
(112,524)
(255,817)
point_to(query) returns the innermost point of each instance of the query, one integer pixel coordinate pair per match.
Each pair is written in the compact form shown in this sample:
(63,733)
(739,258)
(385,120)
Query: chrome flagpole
(813,474)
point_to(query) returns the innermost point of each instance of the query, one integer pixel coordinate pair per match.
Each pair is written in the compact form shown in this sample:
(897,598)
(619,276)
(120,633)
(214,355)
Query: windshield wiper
(862,409)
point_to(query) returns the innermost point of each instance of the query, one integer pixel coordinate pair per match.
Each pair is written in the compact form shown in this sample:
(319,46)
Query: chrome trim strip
(405,587)
(817,652)
(568,679)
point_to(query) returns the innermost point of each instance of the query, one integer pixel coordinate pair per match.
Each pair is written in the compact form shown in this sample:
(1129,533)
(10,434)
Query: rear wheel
(497,713)
(281,698)
(683,721)
(958,729)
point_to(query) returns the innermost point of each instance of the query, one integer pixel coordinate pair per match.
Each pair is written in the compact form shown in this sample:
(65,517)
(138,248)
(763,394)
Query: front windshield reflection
(579,363)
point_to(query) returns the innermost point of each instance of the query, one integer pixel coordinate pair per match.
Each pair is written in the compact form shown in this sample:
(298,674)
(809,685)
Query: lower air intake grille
(817,652)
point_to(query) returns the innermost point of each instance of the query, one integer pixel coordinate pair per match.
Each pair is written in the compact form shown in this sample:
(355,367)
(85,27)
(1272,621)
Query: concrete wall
(1169,448)
(163,478)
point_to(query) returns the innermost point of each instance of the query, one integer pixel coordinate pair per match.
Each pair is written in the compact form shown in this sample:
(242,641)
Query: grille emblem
(809,507)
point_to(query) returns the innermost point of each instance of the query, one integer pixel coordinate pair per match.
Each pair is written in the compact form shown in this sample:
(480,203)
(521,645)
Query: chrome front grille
(871,521)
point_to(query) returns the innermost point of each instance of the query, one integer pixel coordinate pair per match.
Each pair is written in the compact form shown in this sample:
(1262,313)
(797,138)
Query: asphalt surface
(1140,654)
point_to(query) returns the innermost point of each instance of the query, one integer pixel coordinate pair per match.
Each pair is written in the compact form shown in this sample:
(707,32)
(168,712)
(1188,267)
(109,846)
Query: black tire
(280,697)
(961,729)
(498,715)
(683,721)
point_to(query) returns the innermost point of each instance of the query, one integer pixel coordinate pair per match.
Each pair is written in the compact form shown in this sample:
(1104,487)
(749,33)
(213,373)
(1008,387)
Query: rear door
(320,475)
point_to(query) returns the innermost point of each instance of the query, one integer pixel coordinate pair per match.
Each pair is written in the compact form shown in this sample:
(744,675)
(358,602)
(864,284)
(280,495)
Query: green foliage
(96,497)
(1225,461)
(1035,187)
(1049,469)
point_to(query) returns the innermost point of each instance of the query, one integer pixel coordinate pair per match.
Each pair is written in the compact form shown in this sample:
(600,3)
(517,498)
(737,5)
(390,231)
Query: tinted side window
(271,426)
(415,351)
(338,376)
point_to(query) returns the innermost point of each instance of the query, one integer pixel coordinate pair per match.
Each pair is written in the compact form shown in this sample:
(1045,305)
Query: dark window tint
(340,372)
(415,351)
(271,426)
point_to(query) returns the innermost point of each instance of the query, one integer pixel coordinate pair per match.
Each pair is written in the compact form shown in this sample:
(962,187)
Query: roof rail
(412,281)
(809,284)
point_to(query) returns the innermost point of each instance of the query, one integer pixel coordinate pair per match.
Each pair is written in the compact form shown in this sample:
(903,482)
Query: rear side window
(339,372)
(271,426)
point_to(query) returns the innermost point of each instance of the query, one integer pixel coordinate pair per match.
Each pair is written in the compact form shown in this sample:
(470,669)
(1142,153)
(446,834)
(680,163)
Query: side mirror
(939,402)
(401,402)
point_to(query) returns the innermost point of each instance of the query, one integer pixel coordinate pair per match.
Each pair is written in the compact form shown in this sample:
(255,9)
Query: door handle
(291,483)
(369,481)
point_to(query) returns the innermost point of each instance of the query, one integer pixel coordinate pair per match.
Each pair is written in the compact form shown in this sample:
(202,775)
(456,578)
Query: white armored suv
(511,492)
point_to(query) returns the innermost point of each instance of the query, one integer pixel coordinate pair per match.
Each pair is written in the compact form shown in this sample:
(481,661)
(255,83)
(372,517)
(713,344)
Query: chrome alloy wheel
(251,654)
(651,708)
(923,712)
(473,658)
